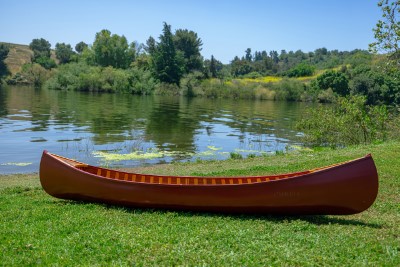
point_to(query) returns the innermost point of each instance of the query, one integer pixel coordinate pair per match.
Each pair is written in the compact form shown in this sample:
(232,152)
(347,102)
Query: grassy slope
(36,228)
(19,55)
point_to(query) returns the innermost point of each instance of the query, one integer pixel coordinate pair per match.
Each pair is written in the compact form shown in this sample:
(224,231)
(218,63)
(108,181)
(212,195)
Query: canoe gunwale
(272,178)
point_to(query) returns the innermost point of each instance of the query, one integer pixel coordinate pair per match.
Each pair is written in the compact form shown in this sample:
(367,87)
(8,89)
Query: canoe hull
(346,189)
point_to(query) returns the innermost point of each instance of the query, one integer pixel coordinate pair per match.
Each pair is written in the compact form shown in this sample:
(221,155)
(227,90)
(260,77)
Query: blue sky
(226,28)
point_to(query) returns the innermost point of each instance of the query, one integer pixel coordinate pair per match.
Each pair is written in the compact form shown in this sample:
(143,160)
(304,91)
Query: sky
(226,28)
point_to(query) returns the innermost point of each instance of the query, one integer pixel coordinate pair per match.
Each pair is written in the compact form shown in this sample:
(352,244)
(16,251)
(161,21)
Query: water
(124,130)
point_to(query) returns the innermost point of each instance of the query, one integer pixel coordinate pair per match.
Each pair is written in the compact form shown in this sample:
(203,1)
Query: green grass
(38,229)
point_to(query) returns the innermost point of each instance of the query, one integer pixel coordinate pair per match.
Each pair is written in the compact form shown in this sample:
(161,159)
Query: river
(118,130)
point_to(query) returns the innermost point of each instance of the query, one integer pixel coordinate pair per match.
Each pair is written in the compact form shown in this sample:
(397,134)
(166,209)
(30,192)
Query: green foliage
(64,52)
(190,83)
(46,62)
(387,31)
(349,122)
(40,48)
(301,70)
(79,47)
(289,89)
(378,85)
(240,67)
(167,62)
(82,77)
(213,68)
(35,74)
(190,45)
(4,50)
(67,77)
(326,96)
(335,80)
(235,155)
(112,50)
(142,81)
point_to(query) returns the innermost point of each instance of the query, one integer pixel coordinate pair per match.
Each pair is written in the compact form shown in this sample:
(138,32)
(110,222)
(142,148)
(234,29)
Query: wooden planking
(143,178)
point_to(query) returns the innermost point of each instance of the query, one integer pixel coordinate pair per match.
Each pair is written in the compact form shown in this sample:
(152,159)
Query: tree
(64,52)
(214,67)
(150,46)
(40,48)
(387,31)
(248,56)
(190,45)
(168,65)
(337,81)
(112,50)
(301,70)
(41,53)
(4,49)
(79,47)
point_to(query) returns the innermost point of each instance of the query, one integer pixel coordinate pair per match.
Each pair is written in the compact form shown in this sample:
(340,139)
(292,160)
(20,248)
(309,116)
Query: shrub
(349,122)
(235,155)
(289,89)
(301,70)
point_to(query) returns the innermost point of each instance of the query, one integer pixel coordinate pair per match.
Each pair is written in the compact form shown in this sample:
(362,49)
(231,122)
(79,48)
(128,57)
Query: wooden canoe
(345,188)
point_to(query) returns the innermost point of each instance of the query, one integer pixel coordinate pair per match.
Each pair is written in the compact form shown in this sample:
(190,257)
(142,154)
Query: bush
(349,122)
(301,70)
(142,81)
(167,89)
(337,81)
(289,89)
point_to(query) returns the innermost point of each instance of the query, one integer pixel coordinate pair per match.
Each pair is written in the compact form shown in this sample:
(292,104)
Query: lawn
(38,229)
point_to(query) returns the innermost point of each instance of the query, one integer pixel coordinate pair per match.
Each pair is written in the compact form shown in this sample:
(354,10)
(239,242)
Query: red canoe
(345,188)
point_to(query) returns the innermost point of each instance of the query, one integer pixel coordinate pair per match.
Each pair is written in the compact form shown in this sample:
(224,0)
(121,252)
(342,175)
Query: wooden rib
(116,175)
(213,181)
(169,180)
(196,181)
(249,180)
(108,174)
(240,180)
(223,181)
(126,177)
(231,181)
(151,179)
(143,178)
(99,172)
(178,180)
(160,179)
(258,180)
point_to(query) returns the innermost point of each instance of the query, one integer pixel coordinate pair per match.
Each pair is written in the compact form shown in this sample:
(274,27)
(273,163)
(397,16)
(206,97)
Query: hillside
(19,55)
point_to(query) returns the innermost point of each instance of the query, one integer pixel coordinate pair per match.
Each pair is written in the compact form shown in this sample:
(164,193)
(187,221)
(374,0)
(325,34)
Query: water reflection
(76,124)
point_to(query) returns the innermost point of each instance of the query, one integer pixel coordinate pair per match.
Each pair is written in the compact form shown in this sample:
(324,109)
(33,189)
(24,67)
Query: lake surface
(125,130)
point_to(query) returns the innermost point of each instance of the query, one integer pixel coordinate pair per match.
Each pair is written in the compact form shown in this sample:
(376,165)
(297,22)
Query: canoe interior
(183,180)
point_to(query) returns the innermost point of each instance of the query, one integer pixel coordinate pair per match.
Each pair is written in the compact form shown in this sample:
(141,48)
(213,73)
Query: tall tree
(387,31)
(4,49)
(190,45)
(112,50)
(248,55)
(40,48)
(64,52)
(168,65)
(79,47)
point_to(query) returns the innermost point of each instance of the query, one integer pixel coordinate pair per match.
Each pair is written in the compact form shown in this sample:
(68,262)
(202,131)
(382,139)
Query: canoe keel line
(345,188)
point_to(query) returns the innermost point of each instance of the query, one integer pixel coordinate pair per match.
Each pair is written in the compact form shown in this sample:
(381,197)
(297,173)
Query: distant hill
(19,55)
